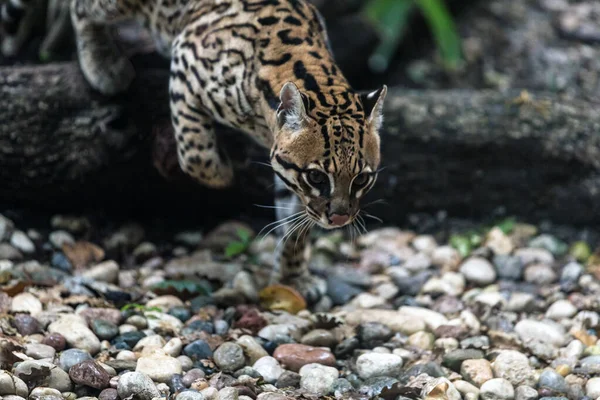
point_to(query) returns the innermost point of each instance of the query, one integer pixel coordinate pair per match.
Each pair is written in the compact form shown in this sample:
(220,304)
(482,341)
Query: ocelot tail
(264,67)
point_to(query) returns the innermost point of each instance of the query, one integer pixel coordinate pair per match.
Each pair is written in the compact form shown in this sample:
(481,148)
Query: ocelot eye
(361,179)
(317,178)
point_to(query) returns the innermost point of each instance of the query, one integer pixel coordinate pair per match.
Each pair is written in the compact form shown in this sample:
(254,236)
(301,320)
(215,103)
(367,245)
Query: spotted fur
(265,68)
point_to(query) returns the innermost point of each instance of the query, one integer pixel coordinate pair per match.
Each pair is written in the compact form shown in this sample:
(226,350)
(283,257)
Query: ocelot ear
(291,111)
(373,105)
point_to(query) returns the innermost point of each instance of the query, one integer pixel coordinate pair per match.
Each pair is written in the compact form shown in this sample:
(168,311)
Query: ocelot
(265,68)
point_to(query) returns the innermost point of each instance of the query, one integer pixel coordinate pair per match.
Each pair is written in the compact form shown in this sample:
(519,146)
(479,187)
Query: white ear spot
(291,111)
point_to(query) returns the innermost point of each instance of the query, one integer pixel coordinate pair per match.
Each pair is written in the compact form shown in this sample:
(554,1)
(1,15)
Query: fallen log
(65,147)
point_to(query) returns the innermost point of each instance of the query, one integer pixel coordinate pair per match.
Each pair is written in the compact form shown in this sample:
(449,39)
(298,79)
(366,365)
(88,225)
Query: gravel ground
(502,313)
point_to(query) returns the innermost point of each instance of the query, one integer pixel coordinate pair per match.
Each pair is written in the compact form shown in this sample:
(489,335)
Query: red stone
(294,356)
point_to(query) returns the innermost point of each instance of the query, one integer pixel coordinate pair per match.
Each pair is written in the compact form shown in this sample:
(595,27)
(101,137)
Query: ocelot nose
(339,220)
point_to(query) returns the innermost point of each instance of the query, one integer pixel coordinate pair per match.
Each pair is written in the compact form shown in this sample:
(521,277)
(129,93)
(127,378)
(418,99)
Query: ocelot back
(265,68)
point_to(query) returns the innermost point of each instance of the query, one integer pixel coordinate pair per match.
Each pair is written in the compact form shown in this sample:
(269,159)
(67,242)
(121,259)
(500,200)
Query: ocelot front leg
(197,150)
(294,245)
(105,67)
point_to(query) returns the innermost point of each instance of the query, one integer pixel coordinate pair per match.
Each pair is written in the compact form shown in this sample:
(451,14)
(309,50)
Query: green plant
(180,286)
(139,307)
(391,19)
(239,246)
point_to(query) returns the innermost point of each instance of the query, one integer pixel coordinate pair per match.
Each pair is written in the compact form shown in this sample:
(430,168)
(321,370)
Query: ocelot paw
(311,287)
(106,69)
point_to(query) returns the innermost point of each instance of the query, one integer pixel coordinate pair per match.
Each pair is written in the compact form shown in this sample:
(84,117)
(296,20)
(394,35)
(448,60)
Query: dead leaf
(9,348)
(282,297)
(15,288)
(82,254)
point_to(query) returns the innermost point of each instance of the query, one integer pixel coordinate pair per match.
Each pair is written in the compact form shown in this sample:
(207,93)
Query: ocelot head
(328,157)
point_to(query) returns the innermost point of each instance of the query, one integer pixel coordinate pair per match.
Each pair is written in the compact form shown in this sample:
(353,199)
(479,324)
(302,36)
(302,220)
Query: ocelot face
(329,160)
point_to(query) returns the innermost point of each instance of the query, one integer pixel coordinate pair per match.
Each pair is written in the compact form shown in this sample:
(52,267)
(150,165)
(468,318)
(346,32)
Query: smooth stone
(60,380)
(592,387)
(165,302)
(160,321)
(138,321)
(127,340)
(76,333)
(478,270)
(26,303)
(431,319)
(476,372)
(107,271)
(59,238)
(525,392)
(45,393)
(465,387)
(6,227)
(137,386)
(319,338)
(372,334)
(551,379)
(421,340)
(508,267)
(528,330)
(105,330)
(561,309)
(514,367)
(22,242)
(70,357)
(269,368)
(108,394)
(112,315)
(198,350)
(572,272)
(252,349)
(39,351)
(12,385)
(497,389)
(191,376)
(229,357)
(293,356)
(317,378)
(371,365)
(158,367)
(540,274)
(529,255)
(26,324)
(591,364)
(90,373)
(153,341)
(455,358)
(288,379)
(189,395)
(394,320)
(173,347)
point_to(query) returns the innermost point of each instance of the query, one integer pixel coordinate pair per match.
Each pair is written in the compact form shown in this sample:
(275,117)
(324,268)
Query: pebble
(430,318)
(421,340)
(45,393)
(21,242)
(529,330)
(12,385)
(440,388)
(373,334)
(293,356)
(592,388)
(39,351)
(478,270)
(90,373)
(70,357)
(477,371)
(105,330)
(138,386)
(252,349)
(539,274)
(191,376)
(26,303)
(229,357)
(269,368)
(524,392)
(160,368)
(371,365)
(60,380)
(514,367)
(394,320)
(198,350)
(561,309)
(318,379)
(76,333)
(189,395)
(26,324)
(497,389)
(288,379)
(552,380)
(108,394)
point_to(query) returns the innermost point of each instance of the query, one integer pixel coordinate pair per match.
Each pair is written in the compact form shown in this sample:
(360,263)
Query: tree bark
(65,147)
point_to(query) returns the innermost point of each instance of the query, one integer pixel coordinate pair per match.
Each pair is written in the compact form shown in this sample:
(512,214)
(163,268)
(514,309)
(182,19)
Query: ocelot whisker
(372,217)
(274,207)
(279,223)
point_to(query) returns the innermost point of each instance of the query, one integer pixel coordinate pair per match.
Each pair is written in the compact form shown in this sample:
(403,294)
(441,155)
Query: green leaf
(462,244)
(444,31)
(235,248)
(244,234)
(390,18)
(507,225)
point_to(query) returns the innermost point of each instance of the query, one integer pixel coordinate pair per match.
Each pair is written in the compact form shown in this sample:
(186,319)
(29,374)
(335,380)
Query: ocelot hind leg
(105,67)
(294,248)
